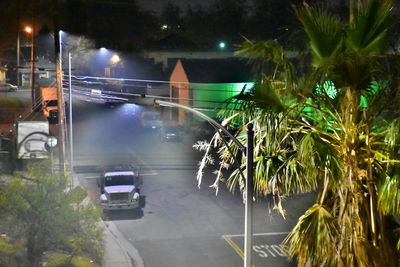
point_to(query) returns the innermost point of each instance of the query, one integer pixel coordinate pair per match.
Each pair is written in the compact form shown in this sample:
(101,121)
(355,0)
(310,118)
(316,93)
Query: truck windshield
(119,180)
(51,103)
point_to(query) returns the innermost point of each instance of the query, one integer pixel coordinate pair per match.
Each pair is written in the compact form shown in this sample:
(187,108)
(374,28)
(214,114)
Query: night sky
(157,5)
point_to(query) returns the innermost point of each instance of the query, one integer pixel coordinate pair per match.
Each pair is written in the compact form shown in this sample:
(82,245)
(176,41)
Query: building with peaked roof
(207,84)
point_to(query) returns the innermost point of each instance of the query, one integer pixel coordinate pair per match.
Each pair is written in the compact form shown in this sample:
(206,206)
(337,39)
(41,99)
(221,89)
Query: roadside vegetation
(41,221)
(326,120)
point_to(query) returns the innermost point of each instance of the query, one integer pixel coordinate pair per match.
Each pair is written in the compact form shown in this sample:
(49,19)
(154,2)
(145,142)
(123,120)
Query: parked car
(151,120)
(171,134)
(8,87)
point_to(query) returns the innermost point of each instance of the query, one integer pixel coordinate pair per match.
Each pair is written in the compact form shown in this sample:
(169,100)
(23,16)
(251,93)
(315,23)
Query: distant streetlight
(222,45)
(115,59)
(28,29)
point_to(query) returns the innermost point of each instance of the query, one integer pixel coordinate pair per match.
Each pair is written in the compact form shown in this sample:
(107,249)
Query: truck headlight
(103,198)
(135,196)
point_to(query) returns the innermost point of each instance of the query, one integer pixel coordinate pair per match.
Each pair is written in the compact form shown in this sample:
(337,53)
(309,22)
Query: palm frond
(313,238)
(370,28)
(323,30)
(270,52)
(317,154)
(389,194)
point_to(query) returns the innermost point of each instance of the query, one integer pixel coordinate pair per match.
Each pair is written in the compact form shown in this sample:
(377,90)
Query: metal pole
(61,106)
(248,225)
(18,41)
(18,60)
(71,144)
(60,43)
(249,150)
(198,113)
(33,65)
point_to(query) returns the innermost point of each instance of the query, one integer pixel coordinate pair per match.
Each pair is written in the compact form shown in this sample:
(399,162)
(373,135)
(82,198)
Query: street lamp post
(60,97)
(18,60)
(71,144)
(28,30)
(33,64)
(248,231)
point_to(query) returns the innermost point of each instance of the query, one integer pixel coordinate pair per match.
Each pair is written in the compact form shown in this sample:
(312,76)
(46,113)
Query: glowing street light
(28,29)
(115,59)
(222,45)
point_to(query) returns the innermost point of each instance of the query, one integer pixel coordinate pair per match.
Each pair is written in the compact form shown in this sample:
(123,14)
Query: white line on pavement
(257,234)
(141,174)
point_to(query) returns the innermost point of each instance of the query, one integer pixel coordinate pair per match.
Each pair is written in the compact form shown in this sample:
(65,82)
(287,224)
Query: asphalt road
(180,224)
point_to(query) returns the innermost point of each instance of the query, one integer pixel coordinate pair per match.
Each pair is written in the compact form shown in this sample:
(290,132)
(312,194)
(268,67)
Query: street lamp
(248,151)
(115,59)
(28,30)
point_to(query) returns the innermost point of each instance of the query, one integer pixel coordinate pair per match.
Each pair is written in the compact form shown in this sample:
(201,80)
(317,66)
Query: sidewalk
(114,253)
(117,251)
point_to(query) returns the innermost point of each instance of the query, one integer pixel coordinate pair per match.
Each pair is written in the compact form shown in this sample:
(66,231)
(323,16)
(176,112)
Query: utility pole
(33,98)
(60,93)
(18,44)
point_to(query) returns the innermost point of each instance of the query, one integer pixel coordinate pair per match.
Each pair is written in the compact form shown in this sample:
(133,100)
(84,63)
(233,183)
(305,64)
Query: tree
(171,16)
(83,52)
(327,123)
(40,213)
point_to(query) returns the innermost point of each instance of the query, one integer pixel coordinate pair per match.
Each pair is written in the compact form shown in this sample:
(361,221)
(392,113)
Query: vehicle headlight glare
(103,198)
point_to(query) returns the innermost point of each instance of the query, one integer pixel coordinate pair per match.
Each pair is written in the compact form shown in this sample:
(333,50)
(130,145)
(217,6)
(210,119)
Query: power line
(81,78)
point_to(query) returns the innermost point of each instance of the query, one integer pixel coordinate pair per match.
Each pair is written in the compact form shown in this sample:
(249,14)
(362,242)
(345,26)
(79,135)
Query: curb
(114,254)
(118,252)
(129,255)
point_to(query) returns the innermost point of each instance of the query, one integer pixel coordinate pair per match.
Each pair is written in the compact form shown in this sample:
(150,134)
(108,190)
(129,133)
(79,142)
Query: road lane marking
(147,166)
(234,246)
(98,176)
(258,249)
(257,234)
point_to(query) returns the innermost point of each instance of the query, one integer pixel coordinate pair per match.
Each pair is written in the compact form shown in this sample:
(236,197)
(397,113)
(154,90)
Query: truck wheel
(105,216)
(142,201)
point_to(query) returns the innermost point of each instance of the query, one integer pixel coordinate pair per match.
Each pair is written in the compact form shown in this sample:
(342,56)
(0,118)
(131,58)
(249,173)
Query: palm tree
(327,123)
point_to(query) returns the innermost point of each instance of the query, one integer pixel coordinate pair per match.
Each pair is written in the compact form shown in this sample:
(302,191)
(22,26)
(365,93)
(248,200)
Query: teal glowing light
(328,88)
(211,97)
(222,45)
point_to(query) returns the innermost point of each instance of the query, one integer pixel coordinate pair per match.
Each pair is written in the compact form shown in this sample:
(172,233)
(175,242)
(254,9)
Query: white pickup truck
(119,190)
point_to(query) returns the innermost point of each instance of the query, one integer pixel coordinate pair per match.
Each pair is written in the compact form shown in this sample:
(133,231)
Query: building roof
(230,70)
